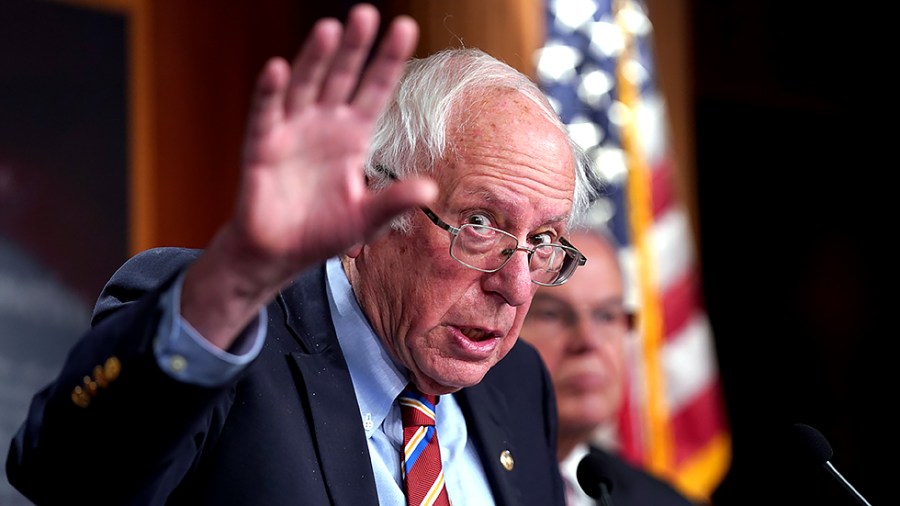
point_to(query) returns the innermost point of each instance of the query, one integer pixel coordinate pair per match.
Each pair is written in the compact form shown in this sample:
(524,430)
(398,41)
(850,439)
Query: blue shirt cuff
(187,356)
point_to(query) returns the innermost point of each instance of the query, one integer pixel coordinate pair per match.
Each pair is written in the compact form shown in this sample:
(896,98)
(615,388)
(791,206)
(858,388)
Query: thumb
(399,197)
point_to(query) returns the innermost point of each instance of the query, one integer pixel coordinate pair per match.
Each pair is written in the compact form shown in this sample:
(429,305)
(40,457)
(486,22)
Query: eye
(479,219)
(550,313)
(542,238)
(611,316)
(605,316)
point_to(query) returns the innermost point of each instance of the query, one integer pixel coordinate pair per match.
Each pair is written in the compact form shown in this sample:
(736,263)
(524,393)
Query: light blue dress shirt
(377,380)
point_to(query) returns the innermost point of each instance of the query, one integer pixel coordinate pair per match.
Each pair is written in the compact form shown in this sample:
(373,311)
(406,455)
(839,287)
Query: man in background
(581,330)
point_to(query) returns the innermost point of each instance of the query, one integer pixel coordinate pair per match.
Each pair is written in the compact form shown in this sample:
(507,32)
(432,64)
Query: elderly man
(392,226)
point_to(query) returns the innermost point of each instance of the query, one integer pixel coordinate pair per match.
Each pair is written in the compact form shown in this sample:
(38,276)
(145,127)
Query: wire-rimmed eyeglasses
(488,249)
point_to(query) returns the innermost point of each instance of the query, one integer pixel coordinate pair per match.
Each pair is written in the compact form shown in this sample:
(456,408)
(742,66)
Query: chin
(454,378)
(577,409)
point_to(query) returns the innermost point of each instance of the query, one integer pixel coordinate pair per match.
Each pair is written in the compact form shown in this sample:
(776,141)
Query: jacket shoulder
(144,272)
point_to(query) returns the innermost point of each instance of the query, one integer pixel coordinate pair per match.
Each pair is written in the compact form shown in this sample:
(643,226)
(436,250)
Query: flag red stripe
(662,185)
(698,422)
(679,304)
(631,447)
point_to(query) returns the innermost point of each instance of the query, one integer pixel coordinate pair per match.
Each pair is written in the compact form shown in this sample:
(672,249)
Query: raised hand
(303,196)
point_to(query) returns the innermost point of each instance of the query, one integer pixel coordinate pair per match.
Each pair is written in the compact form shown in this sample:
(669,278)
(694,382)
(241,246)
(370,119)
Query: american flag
(597,67)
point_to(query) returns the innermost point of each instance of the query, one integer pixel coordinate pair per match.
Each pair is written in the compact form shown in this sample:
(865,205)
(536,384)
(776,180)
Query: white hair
(411,134)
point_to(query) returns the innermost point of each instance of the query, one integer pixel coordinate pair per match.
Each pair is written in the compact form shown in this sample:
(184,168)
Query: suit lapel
(493,441)
(325,386)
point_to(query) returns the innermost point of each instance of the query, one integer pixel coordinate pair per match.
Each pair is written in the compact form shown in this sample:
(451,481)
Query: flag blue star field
(597,67)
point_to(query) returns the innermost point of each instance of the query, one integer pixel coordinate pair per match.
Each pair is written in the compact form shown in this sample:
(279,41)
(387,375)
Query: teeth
(474,334)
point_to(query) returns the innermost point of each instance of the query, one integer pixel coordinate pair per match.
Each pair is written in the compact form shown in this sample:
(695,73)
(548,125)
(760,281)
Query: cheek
(432,276)
(436,272)
(551,351)
(614,357)
(439,287)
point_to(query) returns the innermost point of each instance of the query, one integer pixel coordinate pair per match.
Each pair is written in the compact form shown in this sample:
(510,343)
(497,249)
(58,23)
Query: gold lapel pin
(506,460)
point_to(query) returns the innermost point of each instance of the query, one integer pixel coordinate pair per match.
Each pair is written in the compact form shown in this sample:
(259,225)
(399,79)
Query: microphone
(818,451)
(593,479)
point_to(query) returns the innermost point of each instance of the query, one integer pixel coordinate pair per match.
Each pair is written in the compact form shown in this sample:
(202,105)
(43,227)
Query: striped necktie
(422,472)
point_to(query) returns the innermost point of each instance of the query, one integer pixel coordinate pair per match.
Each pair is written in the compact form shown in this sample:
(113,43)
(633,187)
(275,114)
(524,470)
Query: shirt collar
(569,465)
(377,378)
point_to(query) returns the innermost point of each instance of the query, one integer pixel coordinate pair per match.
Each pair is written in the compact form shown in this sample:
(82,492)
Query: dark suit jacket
(286,431)
(632,486)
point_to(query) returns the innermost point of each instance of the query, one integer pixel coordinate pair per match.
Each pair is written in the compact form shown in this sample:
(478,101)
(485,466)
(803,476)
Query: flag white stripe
(689,362)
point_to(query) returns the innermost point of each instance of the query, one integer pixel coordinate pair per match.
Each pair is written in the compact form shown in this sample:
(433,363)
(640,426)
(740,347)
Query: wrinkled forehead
(505,147)
(491,103)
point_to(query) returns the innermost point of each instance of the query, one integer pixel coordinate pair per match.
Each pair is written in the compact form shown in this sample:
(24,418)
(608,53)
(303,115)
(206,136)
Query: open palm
(303,197)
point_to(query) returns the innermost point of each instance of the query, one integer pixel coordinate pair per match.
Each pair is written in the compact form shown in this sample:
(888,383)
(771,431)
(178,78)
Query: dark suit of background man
(581,330)
(264,369)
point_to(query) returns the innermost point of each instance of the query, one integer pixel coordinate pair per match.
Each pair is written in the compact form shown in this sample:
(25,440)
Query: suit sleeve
(113,427)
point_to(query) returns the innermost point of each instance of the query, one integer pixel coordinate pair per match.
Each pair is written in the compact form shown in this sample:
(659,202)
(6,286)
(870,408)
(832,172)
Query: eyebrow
(546,297)
(605,303)
(495,199)
(487,196)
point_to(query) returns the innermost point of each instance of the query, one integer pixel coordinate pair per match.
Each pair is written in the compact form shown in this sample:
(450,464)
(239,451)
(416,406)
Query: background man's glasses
(608,320)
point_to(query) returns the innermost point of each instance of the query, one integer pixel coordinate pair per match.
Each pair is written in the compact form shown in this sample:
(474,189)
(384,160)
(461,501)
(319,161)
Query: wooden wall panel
(193,65)
(510,30)
(206,58)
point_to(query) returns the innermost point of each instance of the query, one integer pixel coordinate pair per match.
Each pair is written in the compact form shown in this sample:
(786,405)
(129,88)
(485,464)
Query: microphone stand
(834,472)
(605,499)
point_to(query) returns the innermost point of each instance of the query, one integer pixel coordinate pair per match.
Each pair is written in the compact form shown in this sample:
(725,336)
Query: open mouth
(478,334)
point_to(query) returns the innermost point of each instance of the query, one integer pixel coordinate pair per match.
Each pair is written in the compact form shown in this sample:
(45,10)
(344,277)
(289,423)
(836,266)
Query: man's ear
(355,250)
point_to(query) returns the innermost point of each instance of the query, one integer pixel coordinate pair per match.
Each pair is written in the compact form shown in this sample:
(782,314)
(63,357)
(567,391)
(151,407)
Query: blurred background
(120,129)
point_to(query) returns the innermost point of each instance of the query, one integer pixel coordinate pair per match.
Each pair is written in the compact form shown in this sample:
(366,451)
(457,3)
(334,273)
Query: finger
(268,97)
(343,76)
(397,198)
(311,64)
(383,72)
